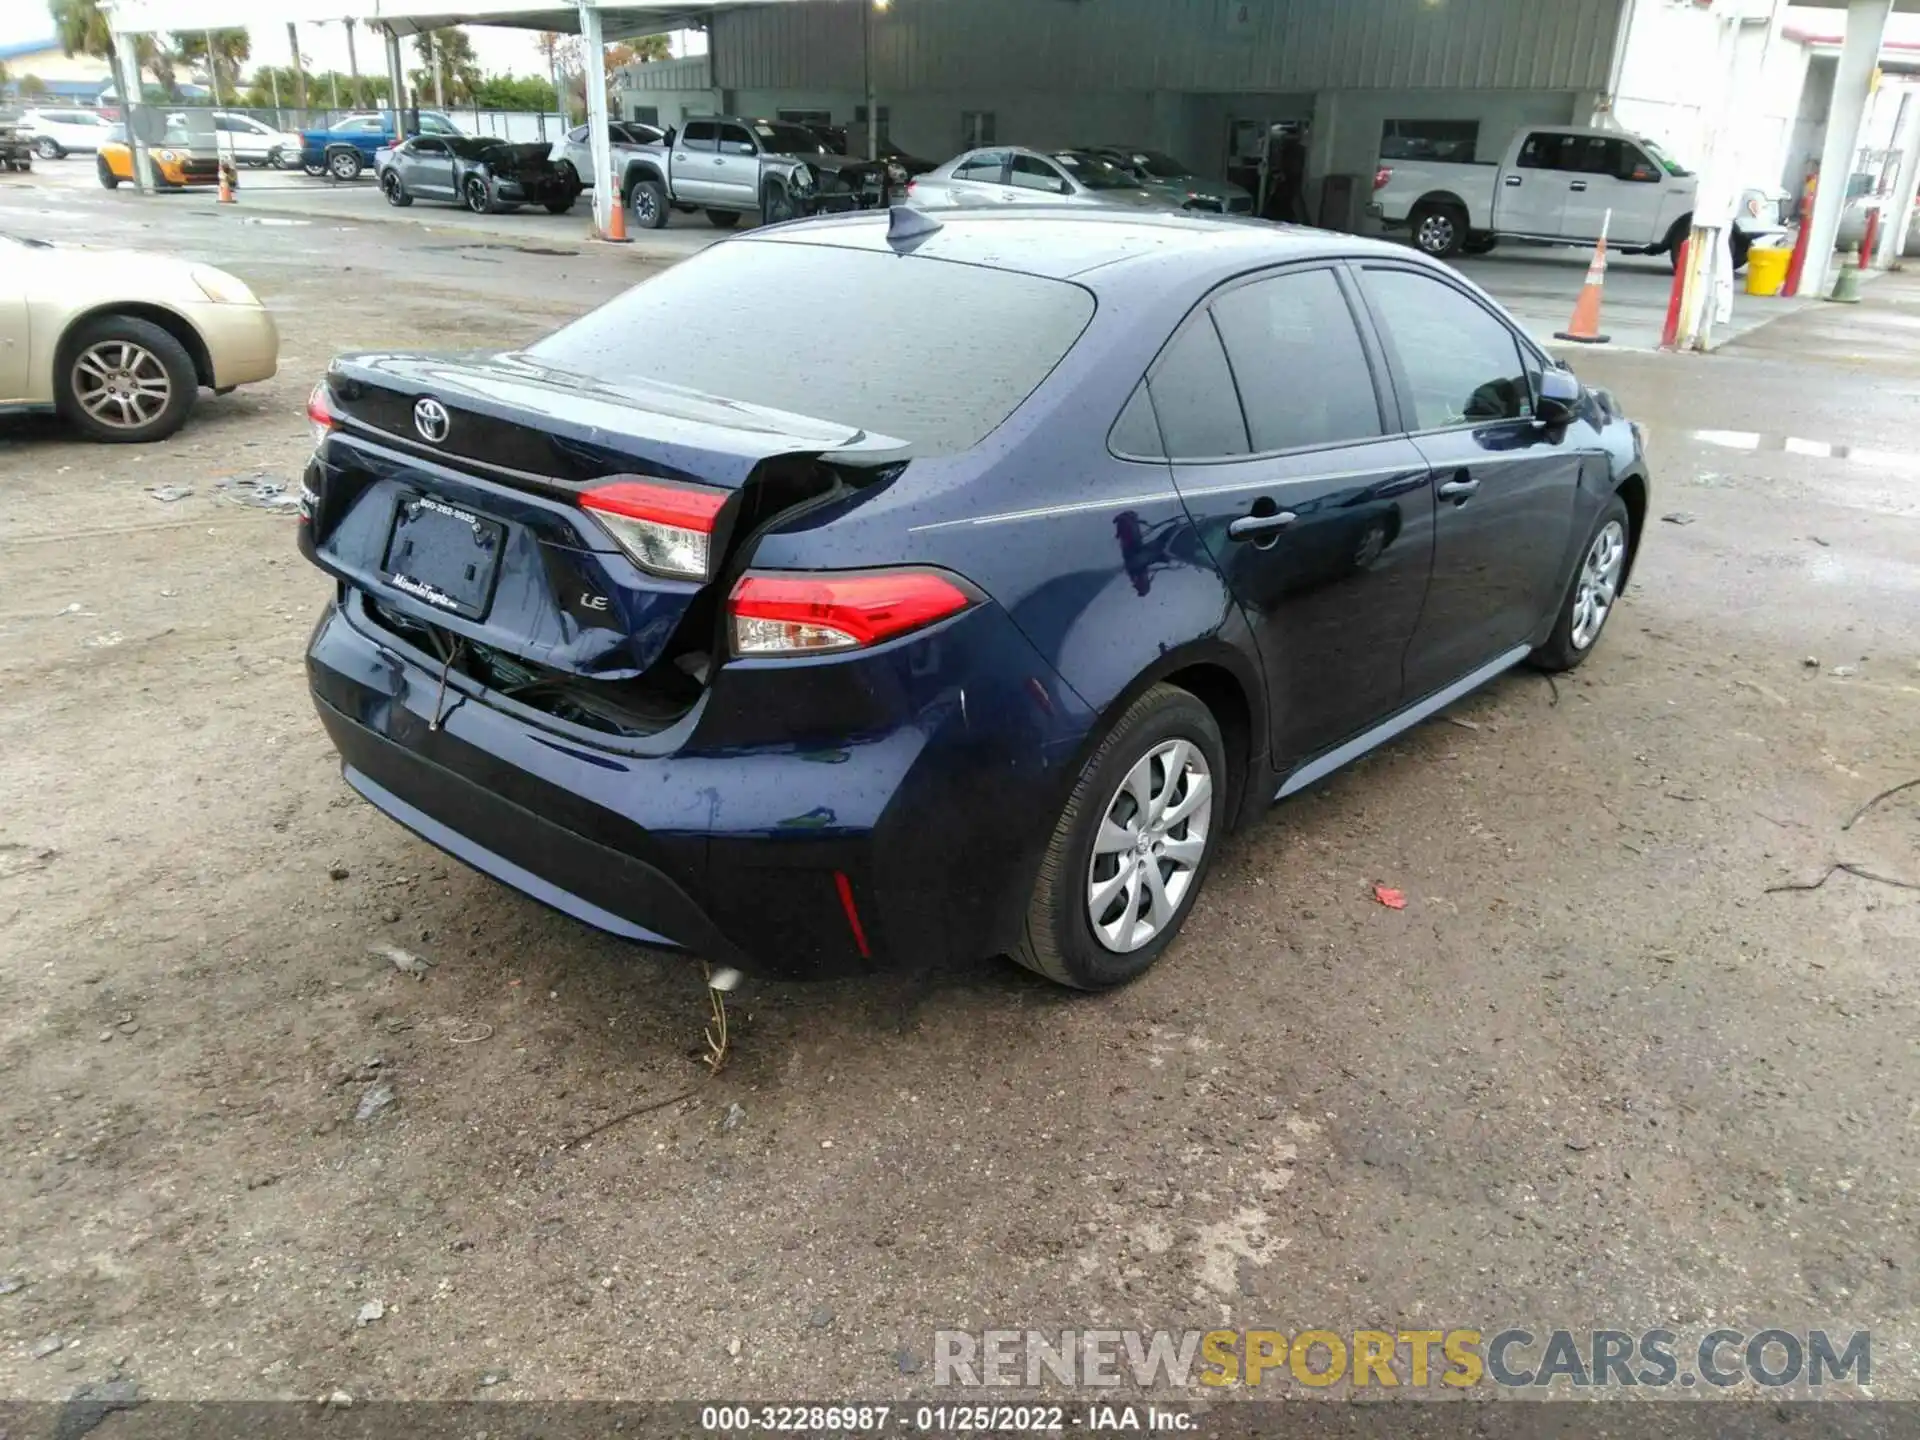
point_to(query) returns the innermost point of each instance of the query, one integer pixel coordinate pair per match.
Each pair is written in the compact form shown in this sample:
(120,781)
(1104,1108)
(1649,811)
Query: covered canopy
(619,19)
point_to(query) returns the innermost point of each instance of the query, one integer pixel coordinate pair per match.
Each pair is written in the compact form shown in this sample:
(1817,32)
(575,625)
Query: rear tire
(1438,230)
(345,165)
(317,169)
(94,350)
(107,178)
(723,219)
(48,148)
(1598,577)
(395,189)
(1166,730)
(648,201)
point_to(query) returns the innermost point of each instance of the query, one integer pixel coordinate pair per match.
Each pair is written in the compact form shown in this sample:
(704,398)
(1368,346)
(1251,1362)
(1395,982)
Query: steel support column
(593,55)
(1853,79)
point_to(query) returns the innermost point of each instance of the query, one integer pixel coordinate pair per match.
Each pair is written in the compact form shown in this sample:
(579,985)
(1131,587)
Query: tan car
(119,342)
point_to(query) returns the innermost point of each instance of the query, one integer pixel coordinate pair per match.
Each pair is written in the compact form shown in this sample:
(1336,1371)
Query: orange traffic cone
(1585,325)
(617,231)
(226,184)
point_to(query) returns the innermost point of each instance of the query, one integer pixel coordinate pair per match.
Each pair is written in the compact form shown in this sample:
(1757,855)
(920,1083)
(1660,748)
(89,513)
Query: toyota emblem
(430,418)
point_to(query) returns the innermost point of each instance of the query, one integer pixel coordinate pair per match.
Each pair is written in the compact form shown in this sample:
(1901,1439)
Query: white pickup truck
(1555,185)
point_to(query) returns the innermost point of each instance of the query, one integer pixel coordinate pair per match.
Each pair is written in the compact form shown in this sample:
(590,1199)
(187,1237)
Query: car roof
(1040,240)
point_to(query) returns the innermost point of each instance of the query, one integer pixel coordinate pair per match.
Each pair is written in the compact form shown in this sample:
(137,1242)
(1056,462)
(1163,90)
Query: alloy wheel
(121,384)
(1152,837)
(1599,584)
(1436,234)
(345,167)
(644,208)
(477,195)
(47,148)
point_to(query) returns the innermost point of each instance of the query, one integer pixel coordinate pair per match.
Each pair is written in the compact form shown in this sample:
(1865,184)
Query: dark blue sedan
(890,588)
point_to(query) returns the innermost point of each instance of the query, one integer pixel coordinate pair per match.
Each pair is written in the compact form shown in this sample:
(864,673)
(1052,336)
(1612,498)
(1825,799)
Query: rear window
(927,351)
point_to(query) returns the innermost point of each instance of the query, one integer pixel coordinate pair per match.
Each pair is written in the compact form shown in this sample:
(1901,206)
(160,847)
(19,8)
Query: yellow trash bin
(1767,268)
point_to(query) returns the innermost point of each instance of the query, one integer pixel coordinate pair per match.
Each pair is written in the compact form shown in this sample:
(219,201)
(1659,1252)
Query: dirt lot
(1593,1074)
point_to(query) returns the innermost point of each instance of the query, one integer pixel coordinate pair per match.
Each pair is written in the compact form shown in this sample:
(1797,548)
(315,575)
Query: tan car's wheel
(125,381)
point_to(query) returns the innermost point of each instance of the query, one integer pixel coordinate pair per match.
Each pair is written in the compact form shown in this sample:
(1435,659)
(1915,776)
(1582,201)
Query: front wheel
(47,148)
(1593,592)
(477,194)
(1132,847)
(125,380)
(562,206)
(345,165)
(777,206)
(1438,230)
(105,171)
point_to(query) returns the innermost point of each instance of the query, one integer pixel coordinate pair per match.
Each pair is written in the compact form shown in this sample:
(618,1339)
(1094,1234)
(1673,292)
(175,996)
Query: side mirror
(1560,396)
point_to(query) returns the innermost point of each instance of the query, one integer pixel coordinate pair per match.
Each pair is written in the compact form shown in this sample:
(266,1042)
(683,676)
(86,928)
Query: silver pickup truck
(729,166)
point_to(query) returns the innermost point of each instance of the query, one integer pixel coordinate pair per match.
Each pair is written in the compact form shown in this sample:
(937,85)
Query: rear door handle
(1258,527)
(1460,489)
(1578,185)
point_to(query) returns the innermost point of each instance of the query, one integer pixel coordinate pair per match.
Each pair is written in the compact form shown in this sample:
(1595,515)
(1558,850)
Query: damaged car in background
(483,175)
(729,167)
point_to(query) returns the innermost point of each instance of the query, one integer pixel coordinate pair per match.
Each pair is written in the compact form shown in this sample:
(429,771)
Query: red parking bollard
(1866,243)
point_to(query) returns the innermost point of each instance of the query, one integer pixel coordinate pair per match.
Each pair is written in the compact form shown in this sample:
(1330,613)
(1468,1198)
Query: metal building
(1206,79)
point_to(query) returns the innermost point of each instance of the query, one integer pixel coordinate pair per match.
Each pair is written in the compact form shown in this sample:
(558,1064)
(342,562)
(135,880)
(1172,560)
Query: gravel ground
(1594,1074)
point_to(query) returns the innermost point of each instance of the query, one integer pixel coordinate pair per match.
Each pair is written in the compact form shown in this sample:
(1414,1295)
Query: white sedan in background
(248,141)
(575,150)
(119,342)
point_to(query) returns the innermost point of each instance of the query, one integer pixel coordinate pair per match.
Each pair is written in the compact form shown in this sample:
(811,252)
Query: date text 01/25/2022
(942,1419)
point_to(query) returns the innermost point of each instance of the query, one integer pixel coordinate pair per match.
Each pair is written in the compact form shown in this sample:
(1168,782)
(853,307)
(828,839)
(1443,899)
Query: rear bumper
(741,839)
(606,887)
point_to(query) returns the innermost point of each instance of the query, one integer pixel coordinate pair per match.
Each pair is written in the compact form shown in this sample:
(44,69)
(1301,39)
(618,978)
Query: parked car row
(732,165)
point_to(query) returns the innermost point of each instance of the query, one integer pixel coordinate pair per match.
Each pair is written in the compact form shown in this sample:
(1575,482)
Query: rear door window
(926,351)
(1301,371)
(1030,172)
(1547,150)
(1193,396)
(987,167)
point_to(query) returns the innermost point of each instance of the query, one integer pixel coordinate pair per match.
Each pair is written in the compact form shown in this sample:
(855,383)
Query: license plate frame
(444,556)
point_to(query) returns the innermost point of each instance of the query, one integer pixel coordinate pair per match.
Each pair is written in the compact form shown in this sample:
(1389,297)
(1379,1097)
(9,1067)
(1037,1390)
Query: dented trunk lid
(449,490)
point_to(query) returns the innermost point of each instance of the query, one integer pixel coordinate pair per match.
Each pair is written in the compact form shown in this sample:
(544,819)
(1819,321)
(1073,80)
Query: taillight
(667,529)
(1382,176)
(809,614)
(320,413)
